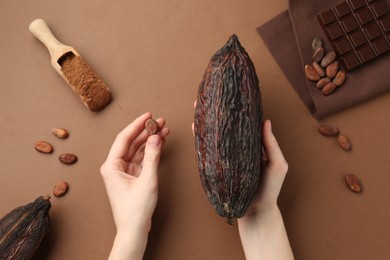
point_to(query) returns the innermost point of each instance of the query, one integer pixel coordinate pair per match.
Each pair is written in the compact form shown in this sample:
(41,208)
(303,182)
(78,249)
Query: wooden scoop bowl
(93,93)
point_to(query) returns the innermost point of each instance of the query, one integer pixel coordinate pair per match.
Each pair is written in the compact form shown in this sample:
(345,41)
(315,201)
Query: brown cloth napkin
(289,35)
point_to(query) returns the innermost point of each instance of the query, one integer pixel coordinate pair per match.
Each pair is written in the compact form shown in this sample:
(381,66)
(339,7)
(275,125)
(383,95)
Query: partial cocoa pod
(60,132)
(151,126)
(318,54)
(43,147)
(227,127)
(340,78)
(22,229)
(322,82)
(60,189)
(311,73)
(328,130)
(344,142)
(353,183)
(319,69)
(328,59)
(328,88)
(332,69)
(68,158)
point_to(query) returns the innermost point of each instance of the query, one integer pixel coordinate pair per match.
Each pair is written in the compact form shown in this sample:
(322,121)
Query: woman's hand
(130,176)
(273,171)
(262,230)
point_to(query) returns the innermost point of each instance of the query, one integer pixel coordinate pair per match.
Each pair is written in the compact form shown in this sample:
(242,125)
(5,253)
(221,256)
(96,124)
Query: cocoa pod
(227,128)
(22,229)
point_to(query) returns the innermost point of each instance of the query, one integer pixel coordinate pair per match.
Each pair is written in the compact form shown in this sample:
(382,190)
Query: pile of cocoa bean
(325,69)
(351,180)
(66,158)
(342,139)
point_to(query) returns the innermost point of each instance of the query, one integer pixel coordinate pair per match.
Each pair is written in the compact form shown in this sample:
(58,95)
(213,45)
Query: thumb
(151,157)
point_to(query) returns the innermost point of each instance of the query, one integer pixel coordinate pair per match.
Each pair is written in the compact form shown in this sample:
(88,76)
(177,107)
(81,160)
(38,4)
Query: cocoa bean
(60,188)
(311,73)
(322,82)
(328,59)
(340,78)
(60,132)
(68,158)
(43,147)
(332,69)
(319,69)
(344,142)
(353,183)
(328,88)
(151,126)
(328,130)
(316,43)
(318,54)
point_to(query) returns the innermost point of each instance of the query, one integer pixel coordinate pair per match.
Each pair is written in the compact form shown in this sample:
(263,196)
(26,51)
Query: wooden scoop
(92,91)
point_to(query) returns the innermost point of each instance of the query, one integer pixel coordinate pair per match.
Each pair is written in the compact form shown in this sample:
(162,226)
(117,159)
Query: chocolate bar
(358,30)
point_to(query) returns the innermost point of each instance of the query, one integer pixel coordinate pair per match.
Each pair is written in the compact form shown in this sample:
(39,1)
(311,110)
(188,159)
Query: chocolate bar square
(343,46)
(349,24)
(342,9)
(381,46)
(356,4)
(379,8)
(358,30)
(372,31)
(385,24)
(357,39)
(364,16)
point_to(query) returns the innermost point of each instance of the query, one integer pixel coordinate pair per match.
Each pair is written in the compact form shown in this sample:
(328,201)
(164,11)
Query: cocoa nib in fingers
(151,126)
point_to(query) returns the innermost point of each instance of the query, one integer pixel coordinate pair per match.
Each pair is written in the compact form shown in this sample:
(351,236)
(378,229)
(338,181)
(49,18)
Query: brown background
(153,54)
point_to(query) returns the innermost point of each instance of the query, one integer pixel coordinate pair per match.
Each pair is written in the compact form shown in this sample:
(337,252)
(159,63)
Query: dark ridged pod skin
(22,229)
(227,126)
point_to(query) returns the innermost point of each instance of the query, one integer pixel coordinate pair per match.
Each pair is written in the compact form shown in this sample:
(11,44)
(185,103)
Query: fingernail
(154,140)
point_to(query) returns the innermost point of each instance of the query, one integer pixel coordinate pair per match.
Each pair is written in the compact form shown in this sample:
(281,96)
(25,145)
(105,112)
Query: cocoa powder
(93,92)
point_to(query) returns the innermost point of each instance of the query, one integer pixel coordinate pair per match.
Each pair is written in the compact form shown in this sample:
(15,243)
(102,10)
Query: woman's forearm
(129,246)
(264,237)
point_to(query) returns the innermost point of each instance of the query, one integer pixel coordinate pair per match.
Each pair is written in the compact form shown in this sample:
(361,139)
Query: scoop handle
(41,30)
